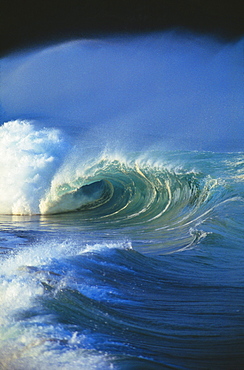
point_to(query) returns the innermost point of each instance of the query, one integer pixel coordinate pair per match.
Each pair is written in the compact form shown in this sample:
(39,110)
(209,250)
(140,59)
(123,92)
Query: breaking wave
(154,198)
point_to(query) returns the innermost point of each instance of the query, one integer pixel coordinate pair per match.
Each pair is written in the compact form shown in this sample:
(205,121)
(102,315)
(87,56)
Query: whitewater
(122,204)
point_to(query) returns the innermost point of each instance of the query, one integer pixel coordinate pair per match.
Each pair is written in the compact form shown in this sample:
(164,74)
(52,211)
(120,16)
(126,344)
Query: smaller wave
(29,339)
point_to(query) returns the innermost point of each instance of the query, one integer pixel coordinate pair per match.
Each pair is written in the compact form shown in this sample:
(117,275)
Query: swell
(119,302)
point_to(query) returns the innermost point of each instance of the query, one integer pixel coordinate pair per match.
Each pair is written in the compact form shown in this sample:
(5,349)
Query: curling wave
(132,195)
(156,205)
(121,190)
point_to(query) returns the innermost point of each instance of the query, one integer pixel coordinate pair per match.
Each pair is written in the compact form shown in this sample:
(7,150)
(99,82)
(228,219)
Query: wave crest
(115,192)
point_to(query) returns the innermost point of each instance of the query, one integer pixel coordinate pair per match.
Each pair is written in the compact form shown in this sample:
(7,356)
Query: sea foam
(28,160)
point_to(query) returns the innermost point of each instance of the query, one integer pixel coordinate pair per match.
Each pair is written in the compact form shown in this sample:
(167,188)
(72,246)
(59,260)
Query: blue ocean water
(122,205)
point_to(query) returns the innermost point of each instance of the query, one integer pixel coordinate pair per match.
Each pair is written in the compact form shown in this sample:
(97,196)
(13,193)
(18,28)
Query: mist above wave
(177,89)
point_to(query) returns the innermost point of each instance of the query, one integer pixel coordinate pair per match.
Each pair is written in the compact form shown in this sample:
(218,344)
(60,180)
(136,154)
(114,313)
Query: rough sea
(122,205)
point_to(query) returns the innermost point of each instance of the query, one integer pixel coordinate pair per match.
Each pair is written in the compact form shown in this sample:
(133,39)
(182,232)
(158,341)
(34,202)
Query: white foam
(28,160)
(16,267)
(34,342)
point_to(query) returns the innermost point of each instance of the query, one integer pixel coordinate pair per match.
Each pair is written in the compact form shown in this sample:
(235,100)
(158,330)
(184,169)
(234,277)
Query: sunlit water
(122,205)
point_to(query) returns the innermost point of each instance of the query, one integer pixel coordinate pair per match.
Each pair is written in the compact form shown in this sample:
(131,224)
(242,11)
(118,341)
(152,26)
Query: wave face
(121,245)
(144,193)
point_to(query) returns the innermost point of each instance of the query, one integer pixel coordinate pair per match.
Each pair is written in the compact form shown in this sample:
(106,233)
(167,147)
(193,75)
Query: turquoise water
(121,246)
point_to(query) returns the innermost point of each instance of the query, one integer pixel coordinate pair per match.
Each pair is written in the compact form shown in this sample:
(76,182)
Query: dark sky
(25,23)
